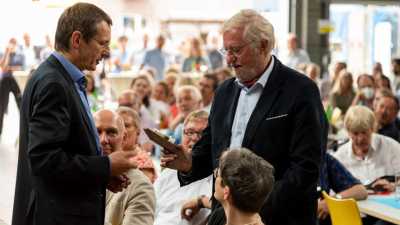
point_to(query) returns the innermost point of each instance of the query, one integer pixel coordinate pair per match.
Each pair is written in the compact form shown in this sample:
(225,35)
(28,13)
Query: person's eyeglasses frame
(235,51)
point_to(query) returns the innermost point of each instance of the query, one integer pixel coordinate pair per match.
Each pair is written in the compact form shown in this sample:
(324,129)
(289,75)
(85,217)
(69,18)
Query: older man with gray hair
(188,99)
(268,108)
(368,155)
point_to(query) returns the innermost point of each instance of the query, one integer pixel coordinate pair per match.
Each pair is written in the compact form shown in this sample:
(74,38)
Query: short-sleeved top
(334,176)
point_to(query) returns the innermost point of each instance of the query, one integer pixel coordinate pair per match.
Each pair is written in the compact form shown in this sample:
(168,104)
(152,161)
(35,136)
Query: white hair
(359,119)
(190,88)
(256,27)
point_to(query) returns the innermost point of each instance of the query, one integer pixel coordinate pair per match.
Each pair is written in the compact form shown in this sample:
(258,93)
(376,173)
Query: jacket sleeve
(49,131)
(141,204)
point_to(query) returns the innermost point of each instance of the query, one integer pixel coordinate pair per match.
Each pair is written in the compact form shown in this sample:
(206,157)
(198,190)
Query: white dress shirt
(383,158)
(246,104)
(170,197)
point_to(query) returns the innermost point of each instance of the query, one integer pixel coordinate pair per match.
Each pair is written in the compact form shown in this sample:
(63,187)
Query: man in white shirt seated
(368,155)
(170,196)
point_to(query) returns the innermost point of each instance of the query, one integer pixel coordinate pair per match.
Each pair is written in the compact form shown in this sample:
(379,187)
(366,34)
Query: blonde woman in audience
(343,93)
(368,155)
(133,101)
(132,126)
(335,72)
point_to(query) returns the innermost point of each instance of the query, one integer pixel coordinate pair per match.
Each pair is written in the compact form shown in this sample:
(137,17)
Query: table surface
(379,210)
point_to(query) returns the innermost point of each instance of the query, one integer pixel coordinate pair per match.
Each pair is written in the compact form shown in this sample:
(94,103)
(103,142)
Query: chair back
(342,211)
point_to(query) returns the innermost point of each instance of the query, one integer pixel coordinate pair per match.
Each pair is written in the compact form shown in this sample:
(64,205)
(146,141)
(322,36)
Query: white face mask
(368,92)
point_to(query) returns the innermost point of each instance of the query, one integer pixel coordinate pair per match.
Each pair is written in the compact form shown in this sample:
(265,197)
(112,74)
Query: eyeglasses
(192,133)
(235,51)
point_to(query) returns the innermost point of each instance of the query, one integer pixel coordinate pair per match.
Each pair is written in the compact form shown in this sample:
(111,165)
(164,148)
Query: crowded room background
(74,107)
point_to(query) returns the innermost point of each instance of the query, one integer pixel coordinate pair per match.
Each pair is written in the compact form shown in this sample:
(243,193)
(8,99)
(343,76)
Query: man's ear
(75,39)
(124,135)
(264,46)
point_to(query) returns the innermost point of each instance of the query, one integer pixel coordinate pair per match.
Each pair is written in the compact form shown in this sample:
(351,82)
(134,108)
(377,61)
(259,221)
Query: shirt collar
(72,70)
(372,148)
(262,80)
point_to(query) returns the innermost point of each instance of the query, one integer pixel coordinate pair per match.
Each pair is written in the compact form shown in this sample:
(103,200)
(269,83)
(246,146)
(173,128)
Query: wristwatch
(338,196)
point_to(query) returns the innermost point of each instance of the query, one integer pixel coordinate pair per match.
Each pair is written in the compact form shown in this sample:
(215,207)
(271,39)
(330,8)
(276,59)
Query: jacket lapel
(232,109)
(268,97)
(53,60)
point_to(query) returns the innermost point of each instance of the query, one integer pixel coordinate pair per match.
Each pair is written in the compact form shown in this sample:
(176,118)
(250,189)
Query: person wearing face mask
(366,91)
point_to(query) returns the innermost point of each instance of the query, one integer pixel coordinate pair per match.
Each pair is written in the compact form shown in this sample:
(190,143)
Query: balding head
(110,127)
(130,99)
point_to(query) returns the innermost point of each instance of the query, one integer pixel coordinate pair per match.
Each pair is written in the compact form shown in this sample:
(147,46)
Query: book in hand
(379,188)
(161,139)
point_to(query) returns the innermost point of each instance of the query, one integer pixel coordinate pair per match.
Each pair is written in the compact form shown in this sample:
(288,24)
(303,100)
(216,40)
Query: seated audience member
(188,100)
(383,82)
(171,76)
(343,93)
(368,155)
(132,100)
(132,126)
(161,94)
(377,71)
(142,85)
(313,71)
(243,182)
(135,204)
(170,195)
(334,176)
(366,91)
(386,108)
(208,83)
(335,72)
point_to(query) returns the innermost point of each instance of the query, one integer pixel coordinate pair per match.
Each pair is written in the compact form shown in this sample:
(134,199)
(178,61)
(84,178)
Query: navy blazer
(288,128)
(60,177)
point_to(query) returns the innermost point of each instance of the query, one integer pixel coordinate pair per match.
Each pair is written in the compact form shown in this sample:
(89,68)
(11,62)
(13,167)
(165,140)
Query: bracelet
(200,202)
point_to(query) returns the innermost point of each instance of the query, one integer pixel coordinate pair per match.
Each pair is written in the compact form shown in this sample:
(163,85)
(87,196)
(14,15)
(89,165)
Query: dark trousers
(8,84)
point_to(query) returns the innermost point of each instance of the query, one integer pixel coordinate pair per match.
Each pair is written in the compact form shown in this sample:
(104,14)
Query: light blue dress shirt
(246,104)
(76,76)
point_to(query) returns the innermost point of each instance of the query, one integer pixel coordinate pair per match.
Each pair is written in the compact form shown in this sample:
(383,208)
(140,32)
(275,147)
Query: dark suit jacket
(288,128)
(60,178)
